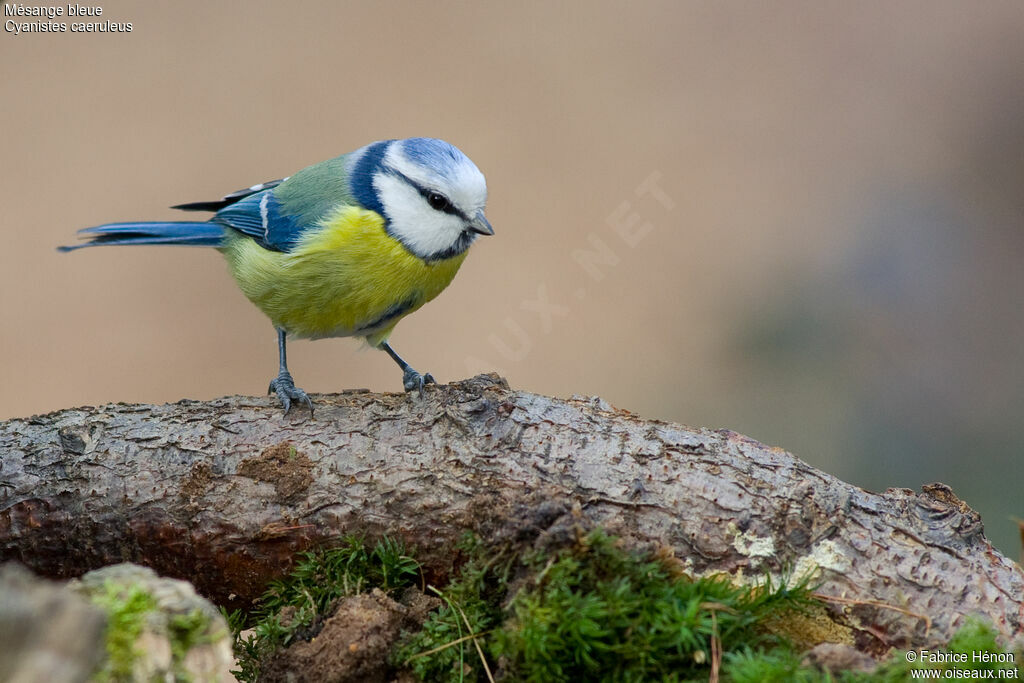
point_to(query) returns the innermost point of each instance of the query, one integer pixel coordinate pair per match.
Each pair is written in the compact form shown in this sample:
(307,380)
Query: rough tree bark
(224,493)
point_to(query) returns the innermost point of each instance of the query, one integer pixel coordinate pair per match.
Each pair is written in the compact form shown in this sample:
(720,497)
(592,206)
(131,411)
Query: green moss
(185,632)
(472,605)
(971,642)
(592,611)
(296,605)
(775,665)
(978,636)
(596,611)
(126,609)
(975,642)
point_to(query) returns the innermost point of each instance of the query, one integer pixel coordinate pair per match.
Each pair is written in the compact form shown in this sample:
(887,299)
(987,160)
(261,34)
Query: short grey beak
(481,225)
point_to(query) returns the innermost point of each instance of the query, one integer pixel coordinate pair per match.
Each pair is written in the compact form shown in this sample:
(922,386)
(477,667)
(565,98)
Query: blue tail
(204,234)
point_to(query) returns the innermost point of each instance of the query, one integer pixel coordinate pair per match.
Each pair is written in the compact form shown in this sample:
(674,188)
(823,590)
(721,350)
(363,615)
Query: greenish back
(314,192)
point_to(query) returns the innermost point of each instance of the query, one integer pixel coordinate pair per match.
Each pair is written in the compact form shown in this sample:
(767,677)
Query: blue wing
(261,217)
(276,214)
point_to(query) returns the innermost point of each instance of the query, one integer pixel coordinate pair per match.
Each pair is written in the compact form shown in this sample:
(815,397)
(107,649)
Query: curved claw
(285,388)
(414,380)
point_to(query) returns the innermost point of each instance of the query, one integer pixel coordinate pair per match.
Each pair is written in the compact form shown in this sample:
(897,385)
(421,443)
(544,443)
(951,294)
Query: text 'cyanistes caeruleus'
(345,248)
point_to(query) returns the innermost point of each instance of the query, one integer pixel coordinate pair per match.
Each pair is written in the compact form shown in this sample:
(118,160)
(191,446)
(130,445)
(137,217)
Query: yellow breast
(347,277)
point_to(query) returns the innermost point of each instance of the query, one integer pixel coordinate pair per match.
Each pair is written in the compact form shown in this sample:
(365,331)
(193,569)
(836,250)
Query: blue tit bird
(344,248)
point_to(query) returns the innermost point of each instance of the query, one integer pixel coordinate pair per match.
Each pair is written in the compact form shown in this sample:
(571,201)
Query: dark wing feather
(229,199)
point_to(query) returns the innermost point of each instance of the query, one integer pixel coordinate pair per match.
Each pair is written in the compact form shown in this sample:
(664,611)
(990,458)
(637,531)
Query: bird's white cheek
(421,228)
(425,233)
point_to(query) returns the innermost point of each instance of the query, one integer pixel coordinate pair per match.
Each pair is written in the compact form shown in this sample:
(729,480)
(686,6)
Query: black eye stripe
(431,197)
(427,193)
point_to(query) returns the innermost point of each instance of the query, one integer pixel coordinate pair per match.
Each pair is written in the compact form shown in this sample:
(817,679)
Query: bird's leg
(283,385)
(410,378)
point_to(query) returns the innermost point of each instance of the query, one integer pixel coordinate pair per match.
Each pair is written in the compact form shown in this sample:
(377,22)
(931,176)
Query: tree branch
(224,493)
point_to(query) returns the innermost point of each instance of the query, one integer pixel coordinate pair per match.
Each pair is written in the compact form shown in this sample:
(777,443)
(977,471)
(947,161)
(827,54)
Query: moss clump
(976,640)
(592,611)
(185,631)
(297,605)
(444,648)
(972,641)
(773,665)
(589,612)
(126,608)
(598,611)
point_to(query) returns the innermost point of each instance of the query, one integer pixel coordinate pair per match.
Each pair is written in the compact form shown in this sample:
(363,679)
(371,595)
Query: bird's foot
(414,380)
(285,388)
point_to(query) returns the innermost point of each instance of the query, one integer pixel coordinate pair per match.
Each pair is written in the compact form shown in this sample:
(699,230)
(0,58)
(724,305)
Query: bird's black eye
(438,201)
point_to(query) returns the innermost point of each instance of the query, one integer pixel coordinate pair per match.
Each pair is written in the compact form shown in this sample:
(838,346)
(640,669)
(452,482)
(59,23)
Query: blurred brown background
(830,261)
